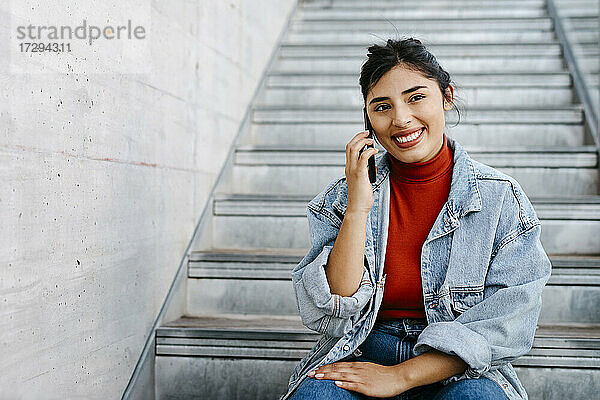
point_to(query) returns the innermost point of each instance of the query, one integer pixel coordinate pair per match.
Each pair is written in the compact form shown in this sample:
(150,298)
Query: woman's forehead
(398,80)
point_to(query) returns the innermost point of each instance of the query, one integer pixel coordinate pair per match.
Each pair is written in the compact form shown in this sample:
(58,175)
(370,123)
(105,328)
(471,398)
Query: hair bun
(414,40)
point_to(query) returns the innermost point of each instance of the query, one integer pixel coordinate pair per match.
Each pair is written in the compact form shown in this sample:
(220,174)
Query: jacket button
(346,347)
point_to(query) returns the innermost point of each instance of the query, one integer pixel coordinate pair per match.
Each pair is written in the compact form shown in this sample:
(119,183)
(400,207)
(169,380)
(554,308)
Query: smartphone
(368,127)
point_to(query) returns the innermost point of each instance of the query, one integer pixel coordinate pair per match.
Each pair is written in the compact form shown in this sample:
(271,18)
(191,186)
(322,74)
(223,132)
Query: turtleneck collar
(423,171)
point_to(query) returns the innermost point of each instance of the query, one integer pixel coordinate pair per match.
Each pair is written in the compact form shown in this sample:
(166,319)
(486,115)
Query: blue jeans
(390,343)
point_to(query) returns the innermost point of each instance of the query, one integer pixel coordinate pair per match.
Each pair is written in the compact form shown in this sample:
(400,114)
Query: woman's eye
(378,108)
(420,96)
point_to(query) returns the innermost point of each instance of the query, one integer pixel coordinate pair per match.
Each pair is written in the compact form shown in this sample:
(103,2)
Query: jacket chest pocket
(463,298)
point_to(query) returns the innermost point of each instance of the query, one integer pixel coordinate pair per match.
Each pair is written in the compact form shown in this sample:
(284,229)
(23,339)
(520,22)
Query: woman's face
(402,102)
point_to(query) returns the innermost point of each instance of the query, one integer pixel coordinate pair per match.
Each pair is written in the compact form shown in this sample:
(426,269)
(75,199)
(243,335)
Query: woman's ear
(449,98)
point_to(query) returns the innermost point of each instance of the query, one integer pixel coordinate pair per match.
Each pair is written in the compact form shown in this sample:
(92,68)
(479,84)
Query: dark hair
(407,52)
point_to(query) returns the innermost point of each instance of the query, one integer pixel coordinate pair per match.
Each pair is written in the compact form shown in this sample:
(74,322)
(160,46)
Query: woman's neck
(423,171)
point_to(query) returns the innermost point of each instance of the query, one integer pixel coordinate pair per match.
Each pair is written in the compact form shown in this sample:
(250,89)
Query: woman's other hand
(364,377)
(360,191)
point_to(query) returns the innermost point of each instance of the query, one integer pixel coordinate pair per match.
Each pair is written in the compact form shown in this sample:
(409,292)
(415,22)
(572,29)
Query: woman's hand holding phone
(360,191)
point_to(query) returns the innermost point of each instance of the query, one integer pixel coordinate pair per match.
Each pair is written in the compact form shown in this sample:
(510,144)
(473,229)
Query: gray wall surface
(103,178)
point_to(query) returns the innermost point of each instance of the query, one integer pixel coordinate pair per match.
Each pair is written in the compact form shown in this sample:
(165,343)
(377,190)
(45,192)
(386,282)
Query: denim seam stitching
(321,203)
(511,237)
(327,214)
(523,219)
(316,351)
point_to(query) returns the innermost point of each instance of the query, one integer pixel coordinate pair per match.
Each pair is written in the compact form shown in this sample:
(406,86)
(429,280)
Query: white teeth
(408,138)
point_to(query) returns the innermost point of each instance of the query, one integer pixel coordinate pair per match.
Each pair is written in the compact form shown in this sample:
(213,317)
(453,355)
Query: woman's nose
(398,123)
(401,121)
(400,116)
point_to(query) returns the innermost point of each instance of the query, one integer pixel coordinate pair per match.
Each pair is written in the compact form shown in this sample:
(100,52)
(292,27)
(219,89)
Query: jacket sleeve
(319,309)
(502,326)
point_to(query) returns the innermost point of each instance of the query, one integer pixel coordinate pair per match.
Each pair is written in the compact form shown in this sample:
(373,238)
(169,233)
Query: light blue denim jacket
(483,269)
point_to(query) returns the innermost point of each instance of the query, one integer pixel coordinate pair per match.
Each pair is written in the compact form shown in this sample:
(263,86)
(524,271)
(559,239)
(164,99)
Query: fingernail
(319,375)
(311,373)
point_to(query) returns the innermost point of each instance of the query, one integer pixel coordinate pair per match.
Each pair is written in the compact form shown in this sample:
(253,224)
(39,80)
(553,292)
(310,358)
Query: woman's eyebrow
(412,89)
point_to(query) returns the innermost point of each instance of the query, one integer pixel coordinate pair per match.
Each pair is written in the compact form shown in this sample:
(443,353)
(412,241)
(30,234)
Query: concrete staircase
(242,336)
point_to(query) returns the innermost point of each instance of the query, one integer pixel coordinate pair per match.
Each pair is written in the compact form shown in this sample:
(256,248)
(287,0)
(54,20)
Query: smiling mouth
(409,138)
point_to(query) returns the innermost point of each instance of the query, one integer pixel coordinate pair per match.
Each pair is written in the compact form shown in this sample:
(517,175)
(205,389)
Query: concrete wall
(103,178)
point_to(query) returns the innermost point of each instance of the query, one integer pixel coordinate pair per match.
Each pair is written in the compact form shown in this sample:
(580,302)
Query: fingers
(347,377)
(354,386)
(355,145)
(339,370)
(363,160)
(356,161)
(359,136)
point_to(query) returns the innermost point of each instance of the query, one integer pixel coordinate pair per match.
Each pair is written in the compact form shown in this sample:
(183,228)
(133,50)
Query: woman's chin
(411,155)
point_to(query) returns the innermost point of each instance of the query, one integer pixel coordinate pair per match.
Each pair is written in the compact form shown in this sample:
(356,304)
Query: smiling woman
(458,241)
(406,104)
(409,123)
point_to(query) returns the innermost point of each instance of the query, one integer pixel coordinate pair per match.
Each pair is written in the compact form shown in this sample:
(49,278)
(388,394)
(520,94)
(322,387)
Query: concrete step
(473,80)
(454,50)
(540,171)
(360,3)
(475,90)
(259,282)
(589,64)
(593,79)
(439,9)
(573,291)
(351,14)
(430,23)
(202,357)
(426,36)
(333,114)
(569,225)
(468,134)
(584,23)
(456,64)
(576,12)
(470,96)
(587,36)
(277,264)
(379,3)
(337,5)
(349,3)
(586,50)
(228,358)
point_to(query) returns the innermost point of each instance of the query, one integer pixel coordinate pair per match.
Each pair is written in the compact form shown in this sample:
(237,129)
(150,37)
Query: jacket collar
(464,195)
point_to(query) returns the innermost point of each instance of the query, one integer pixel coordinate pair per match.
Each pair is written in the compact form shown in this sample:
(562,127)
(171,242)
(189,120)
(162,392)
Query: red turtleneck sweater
(418,192)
